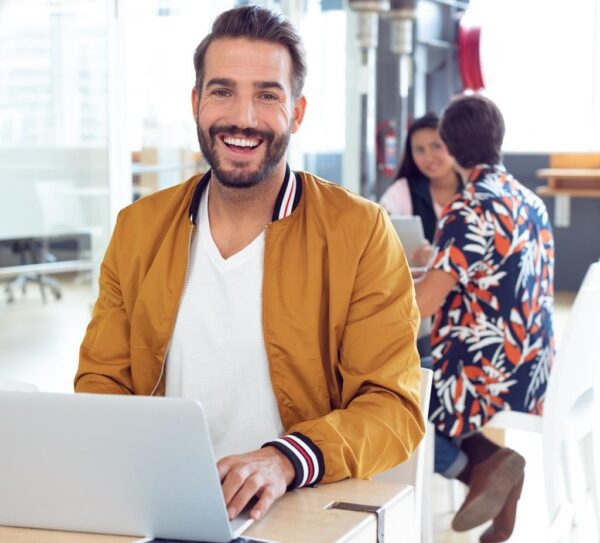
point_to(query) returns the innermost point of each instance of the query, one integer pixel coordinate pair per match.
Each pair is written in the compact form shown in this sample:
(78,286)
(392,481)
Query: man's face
(245,114)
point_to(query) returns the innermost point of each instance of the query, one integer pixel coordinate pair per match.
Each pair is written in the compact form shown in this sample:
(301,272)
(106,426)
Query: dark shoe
(491,482)
(504,524)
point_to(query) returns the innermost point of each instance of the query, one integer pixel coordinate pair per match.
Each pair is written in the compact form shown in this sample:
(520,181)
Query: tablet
(410,231)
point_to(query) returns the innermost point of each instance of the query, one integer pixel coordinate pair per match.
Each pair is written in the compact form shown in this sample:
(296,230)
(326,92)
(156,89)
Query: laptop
(127,465)
(410,231)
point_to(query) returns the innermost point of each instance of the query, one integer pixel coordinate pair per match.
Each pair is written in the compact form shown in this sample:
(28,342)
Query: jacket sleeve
(104,363)
(380,423)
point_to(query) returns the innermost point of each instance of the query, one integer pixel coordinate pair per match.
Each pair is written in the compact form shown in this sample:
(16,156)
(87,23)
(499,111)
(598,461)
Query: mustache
(232,130)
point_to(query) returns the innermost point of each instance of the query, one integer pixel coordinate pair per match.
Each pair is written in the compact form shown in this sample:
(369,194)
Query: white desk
(299,517)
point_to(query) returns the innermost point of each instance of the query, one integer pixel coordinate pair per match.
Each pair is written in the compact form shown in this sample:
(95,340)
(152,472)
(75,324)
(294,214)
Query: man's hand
(265,473)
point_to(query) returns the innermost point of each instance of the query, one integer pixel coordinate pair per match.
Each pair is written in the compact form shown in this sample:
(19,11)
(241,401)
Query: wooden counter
(576,182)
(570,175)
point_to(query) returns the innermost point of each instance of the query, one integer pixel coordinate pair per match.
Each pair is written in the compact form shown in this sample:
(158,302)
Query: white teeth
(240,142)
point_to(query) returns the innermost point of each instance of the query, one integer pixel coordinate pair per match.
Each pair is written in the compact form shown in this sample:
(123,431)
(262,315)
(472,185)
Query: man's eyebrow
(221,82)
(269,85)
(230,83)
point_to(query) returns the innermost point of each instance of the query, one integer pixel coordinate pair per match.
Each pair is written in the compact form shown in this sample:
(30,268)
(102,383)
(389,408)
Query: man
(490,287)
(282,302)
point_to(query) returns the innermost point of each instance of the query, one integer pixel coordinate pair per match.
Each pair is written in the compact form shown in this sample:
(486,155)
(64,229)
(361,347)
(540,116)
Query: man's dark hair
(256,23)
(472,128)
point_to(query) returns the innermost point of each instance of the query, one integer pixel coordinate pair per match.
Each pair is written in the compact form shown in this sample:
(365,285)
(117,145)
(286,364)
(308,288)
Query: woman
(426,181)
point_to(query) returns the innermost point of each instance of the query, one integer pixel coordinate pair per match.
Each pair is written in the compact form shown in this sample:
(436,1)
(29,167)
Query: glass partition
(54,187)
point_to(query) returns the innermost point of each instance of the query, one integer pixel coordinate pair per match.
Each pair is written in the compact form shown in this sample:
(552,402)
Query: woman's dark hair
(472,128)
(261,24)
(408,168)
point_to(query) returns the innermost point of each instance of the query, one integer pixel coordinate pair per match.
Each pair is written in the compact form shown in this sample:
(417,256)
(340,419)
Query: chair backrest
(411,471)
(17,386)
(575,374)
(573,385)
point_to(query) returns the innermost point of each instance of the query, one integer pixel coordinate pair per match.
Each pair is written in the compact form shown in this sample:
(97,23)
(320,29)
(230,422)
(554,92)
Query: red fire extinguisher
(387,143)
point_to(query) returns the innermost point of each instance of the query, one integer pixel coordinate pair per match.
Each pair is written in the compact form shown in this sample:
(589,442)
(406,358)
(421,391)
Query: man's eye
(268,96)
(220,93)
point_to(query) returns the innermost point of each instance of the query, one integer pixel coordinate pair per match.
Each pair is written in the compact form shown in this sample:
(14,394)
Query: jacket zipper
(185,281)
(262,324)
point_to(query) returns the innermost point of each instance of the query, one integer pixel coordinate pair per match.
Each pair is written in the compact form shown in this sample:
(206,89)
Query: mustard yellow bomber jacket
(339,320)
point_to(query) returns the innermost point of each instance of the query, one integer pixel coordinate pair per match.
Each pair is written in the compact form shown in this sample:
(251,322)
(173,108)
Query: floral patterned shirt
(492,339)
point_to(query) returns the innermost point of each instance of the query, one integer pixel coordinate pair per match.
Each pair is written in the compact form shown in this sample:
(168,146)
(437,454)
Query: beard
(238,177)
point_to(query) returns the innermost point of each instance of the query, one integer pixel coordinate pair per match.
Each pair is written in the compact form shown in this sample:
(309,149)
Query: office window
(541,64)
(321,141)
(54,125)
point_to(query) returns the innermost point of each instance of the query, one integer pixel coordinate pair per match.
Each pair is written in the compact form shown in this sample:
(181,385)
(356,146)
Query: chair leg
(427,492)
(19,283)
(575,485)
(42,290)
(557,505)
(456,495)
(52,284)
(10,297)
(591,471)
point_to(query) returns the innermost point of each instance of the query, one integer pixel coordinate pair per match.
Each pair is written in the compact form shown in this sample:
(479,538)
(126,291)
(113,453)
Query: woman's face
(430,153)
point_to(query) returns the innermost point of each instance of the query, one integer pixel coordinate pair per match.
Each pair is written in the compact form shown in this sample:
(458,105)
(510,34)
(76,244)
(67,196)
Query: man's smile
(241,145)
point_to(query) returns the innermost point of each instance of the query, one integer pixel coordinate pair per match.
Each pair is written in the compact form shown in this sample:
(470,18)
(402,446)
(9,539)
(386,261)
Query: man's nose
(243,112)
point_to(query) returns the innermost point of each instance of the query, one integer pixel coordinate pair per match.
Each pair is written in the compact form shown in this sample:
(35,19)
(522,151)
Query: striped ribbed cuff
(304,455)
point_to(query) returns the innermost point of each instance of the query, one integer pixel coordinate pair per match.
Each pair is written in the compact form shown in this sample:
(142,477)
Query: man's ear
(298,110)
(195,101)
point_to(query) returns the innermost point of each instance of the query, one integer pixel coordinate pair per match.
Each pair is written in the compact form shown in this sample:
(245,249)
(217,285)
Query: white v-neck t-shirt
(217,353)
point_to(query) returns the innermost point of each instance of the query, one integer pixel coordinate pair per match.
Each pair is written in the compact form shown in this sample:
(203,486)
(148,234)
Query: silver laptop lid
(110,464)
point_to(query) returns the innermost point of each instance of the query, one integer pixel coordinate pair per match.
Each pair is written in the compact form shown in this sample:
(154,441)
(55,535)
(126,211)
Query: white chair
(69,211)
(412,472)
(567,426)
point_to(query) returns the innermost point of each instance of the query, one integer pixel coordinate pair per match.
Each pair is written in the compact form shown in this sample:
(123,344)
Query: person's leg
(424,347)
(449,460)
(504,523)
(427,363)
(477,448)
(493,474)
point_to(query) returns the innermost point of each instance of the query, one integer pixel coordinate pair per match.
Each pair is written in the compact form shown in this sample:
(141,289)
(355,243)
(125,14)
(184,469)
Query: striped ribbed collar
(287,200)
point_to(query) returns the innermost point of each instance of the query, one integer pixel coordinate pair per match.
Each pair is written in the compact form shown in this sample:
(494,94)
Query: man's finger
(267,498)
(233,481)
(248,490)
(224,465)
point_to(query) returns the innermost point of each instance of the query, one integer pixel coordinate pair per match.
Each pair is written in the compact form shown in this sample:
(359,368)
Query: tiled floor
(39,344)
